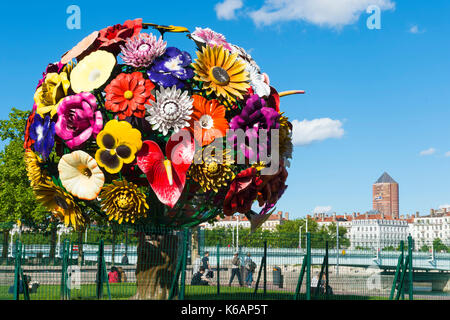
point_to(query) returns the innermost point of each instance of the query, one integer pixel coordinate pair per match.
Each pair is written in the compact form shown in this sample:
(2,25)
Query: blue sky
(381,96)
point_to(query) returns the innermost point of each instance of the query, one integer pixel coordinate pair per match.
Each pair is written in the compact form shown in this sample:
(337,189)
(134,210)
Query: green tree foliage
(286,235)
(439,246)
(16,197)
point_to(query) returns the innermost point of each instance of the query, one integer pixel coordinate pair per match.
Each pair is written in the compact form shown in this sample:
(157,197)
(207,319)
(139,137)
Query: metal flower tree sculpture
(136,132)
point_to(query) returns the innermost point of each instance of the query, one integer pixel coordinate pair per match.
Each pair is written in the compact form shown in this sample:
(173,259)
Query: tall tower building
(385,196)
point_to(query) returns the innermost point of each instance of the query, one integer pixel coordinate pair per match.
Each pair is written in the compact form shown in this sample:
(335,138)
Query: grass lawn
(120,291)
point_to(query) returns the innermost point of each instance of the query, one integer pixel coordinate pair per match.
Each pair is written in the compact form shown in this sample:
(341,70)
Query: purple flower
(172,68)
(254,116)
(42,131)
(78,119)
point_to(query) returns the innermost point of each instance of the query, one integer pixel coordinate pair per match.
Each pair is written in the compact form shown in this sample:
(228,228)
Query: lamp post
(237,233)
(300,236)
(337,248)
(16,229)
(62,229)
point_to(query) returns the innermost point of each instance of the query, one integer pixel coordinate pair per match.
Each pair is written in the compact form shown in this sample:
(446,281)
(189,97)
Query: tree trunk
(113,251)
(53,236)
(80,248)
(5,244)
(156,264)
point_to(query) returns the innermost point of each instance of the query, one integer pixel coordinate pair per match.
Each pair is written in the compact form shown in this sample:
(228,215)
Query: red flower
(242,192)
(112,37)
(127,95)
(28,142)
(272,187)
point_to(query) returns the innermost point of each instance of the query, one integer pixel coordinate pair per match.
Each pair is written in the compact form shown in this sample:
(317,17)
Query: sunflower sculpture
(129,129)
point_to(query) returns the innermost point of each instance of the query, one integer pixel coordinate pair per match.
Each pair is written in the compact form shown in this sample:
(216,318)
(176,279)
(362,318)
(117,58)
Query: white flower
(171,110)
(80,175)
(257,81)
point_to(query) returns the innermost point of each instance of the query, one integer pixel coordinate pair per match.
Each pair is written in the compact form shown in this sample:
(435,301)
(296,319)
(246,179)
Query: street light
(16,229)
(300,236)
(337,248)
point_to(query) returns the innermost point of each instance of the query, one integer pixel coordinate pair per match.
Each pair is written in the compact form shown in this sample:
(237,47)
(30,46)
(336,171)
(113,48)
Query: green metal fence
(130,263)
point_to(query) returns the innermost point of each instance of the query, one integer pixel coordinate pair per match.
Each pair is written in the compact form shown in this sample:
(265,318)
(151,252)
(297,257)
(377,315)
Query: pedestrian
(314,283)
(324,288)
(235,269)
(122,275)
(206,265)
(124,259)
(250,266)
(113,275)
(199,278)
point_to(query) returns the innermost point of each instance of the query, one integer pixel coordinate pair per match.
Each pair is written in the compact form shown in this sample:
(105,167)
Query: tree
(439,246)
(17,201)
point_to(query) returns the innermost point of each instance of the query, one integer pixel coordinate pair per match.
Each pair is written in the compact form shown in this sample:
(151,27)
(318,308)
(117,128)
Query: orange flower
(208,120)
(128,94)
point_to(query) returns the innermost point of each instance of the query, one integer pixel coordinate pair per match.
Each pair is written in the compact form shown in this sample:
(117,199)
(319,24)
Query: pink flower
(78,119)
(210,37)
(142,50)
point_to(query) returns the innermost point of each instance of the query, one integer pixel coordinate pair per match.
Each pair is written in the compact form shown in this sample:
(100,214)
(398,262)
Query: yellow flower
(210,170)
(118,142)
(122,200)
(221,72)
(285,145)
(52,91)
(56,200)
(93,71)
(80,175)
(33,167)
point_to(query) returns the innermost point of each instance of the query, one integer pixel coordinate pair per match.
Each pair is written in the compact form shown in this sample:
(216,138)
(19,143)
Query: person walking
(235,269)
(250,266)
(206,266)
(124,259)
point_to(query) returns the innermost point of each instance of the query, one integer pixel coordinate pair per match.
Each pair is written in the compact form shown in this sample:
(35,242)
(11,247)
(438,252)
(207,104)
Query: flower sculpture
(128,128)
(142,50)
(78,119)
(52,90)
(127,95)
(172,68)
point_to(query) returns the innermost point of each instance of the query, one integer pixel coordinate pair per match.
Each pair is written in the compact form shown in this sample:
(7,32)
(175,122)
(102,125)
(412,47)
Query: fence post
(183,266)
(300,278)
(100,270)
(308,266)
(397,270)
(411,270)
(327,280)
(64,262)
(18,256)
(218,269)
(265,268)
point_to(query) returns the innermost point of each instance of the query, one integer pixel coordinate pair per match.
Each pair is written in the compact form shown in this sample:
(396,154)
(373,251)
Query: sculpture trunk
(156,264)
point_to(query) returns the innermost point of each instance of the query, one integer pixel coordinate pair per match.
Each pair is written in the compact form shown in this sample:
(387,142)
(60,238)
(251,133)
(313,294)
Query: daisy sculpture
(129,129)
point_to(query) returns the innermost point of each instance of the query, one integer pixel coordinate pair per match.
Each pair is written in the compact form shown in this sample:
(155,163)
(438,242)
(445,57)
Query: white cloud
(444,206)
(307,131)
(322,209)
(330,13)
(227,10)
(415,30)
(427,152)
(447,154)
